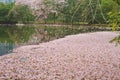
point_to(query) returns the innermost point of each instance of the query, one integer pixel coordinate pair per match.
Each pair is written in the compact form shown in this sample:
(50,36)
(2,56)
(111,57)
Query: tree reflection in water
(13,36)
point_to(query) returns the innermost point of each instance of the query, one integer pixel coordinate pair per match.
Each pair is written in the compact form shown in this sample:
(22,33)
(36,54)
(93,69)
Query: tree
(92,11)
(115,19)
(4,10)
(20,13)
(42,10)
(72,11)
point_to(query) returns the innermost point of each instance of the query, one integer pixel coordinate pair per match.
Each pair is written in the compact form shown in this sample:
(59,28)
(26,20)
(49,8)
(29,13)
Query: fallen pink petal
(87,56)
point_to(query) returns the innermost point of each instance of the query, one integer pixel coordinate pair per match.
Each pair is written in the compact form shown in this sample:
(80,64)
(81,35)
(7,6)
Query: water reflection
(6,48)
(13,36)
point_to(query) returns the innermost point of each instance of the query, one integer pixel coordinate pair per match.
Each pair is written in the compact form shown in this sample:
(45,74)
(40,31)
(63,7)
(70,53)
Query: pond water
(13,36)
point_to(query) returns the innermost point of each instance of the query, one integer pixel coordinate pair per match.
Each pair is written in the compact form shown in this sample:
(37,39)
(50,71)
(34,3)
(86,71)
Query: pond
(13,36)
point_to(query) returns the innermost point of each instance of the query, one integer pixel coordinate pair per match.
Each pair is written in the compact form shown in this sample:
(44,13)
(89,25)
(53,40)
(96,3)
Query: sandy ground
(87,56)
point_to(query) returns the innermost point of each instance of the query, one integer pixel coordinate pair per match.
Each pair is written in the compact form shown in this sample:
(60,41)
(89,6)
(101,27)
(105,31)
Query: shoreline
(75,57)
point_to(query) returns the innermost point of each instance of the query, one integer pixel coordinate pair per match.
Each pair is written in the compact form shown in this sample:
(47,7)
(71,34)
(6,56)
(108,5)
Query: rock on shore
(87,56)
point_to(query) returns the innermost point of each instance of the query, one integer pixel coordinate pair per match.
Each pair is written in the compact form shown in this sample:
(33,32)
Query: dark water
(14,36)
(6,48)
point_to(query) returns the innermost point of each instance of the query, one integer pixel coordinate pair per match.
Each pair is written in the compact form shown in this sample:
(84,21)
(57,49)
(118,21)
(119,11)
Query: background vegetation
(11,13)
(68,12)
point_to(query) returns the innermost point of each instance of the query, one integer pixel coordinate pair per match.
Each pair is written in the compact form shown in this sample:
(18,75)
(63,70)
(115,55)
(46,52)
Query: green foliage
(95,12)
(20,13)
(92,11)
(117,1)
(114,19)
(71,11)
(10,13)
(116,40)
(103,10)
(114,15)
(4,10)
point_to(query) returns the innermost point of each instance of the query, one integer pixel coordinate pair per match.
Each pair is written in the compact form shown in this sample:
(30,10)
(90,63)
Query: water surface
(13,36)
